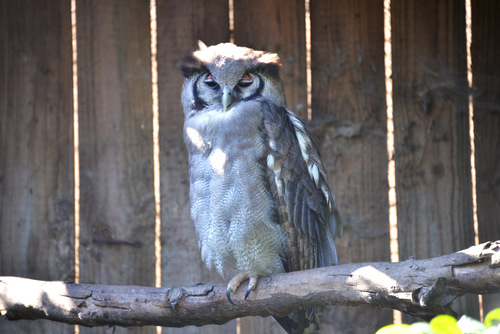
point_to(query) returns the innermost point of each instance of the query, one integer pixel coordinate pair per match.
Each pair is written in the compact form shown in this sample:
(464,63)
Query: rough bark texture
(419,287)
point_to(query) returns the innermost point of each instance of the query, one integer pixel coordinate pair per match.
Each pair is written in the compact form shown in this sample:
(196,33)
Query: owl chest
(230,202)
(229,162)
(225,143)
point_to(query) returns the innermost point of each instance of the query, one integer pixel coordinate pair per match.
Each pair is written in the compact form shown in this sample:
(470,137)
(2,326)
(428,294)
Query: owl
(259,195)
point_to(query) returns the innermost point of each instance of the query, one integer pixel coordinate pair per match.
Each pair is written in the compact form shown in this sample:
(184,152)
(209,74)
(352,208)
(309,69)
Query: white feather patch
(270,161)
(218,160)
(196,138)
(313,170)
(327,196)
(272,144)
(279,185)
(303,145)
(296,122)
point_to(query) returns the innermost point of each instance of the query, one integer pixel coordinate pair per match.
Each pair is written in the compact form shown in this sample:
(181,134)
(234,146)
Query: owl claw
(248,292)
(252,283)
(236,281)
(228,294)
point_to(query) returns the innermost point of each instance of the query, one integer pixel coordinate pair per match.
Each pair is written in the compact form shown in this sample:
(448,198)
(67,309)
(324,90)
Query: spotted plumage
(260,200)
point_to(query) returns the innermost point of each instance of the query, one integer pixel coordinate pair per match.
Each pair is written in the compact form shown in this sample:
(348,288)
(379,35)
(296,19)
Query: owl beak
(226,97)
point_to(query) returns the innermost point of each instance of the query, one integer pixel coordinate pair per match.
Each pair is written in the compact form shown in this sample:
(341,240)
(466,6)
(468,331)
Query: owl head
(221,76)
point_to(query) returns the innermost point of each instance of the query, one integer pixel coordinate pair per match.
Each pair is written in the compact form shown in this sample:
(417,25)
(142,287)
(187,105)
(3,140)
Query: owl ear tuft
(201,45)
(269,58)
(269,63)
(190,65)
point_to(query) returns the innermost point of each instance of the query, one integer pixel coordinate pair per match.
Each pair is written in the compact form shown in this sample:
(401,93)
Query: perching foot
(236,281)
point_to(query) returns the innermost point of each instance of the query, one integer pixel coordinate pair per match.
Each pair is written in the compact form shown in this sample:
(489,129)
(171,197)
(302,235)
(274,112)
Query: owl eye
(245,81)
(209,80)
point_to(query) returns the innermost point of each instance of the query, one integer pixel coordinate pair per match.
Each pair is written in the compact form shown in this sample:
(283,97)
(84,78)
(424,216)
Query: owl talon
(228,294)
(236,281)
(252,283)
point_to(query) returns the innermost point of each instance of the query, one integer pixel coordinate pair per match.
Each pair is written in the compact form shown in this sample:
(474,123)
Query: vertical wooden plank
(432,147)
(36,144)
(116,152)
(349,118)
(180,25)
(486,90)
(277,26)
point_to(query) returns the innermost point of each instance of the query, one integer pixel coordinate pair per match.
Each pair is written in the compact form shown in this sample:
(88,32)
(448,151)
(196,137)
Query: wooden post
(432,147)
(180,25)
(36,145)
(277,26)
(349,122)
(486,97)
(116,151)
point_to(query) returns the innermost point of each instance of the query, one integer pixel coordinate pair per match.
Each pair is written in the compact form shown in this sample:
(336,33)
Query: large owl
(259,196)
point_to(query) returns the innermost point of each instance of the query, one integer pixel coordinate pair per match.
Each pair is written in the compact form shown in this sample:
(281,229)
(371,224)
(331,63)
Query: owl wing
(304,203)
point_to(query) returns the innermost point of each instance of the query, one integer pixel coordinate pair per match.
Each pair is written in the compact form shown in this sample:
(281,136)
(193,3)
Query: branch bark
(419,287)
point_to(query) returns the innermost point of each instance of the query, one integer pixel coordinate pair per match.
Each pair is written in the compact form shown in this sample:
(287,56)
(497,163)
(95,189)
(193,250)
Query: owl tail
(302,321)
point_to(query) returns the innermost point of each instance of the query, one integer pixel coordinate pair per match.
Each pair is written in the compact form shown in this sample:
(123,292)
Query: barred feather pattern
(304,202)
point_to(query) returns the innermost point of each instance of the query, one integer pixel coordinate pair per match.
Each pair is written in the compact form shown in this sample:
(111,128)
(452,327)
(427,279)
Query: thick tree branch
(419,287)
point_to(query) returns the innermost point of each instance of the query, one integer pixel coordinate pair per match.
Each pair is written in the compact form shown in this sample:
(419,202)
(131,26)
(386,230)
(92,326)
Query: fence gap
(231,20)
(468,33)
(468,36)
(156,146)
(308,59)
(391,171)
(76,152)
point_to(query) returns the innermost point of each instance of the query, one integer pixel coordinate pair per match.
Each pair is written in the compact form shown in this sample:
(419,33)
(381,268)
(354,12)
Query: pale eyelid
(245,81)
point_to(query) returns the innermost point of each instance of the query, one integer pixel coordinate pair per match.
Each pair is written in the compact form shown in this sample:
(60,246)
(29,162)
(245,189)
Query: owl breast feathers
(259,195)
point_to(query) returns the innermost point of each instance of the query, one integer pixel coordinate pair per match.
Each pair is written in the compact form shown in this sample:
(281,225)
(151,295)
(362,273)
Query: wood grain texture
(180,25)
(486,97)
(36,145)
(432,147)
(349,123)
(116,152)
(117,232)
(277,26)
(423,287)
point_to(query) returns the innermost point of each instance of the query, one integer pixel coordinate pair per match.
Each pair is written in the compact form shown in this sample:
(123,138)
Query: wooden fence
(349,121)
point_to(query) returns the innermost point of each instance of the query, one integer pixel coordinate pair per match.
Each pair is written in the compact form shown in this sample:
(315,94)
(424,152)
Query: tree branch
(419,287)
